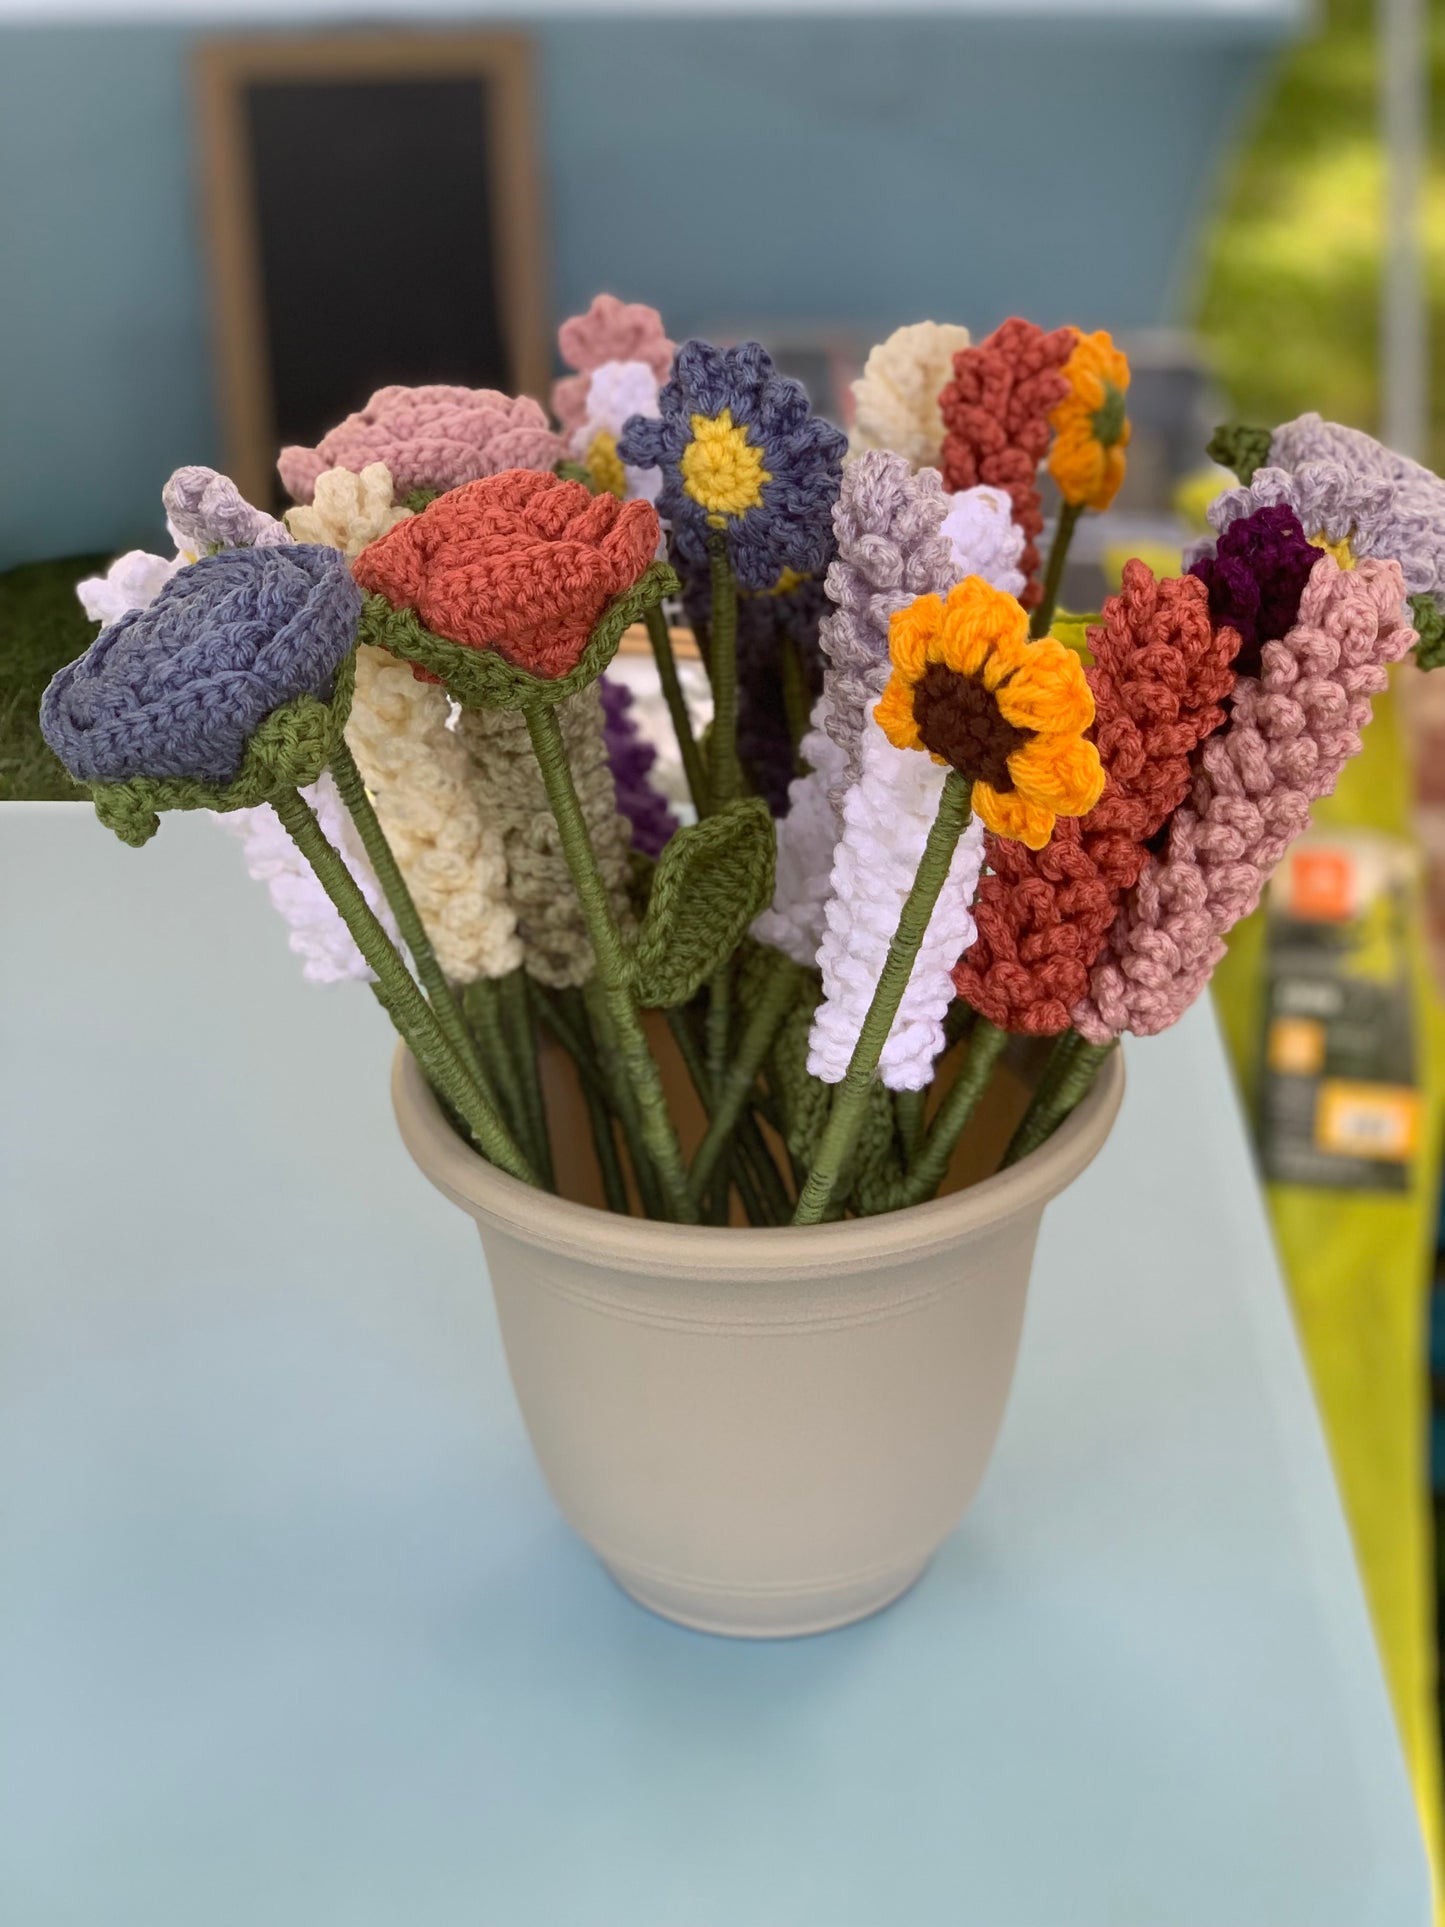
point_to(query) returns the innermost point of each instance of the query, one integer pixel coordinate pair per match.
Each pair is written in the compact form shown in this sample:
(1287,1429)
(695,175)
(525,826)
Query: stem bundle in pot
(920,824)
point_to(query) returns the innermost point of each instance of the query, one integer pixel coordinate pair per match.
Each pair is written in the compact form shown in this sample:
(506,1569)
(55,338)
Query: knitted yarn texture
(887,815)
(523,563)
(632,758)
(177,688)
(207,511)
(348,511)
(1160,673)
(616,392)
(895,399)
(317,931)
(611,330)
(807,837)
(1291,731)
(996,413)
(984,537)
(888,523)
(435,815)
(133,581)
(431,437)
(1255,579)
(512,797)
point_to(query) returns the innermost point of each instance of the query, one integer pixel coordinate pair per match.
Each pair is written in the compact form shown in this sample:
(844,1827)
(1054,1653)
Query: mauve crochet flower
(611,330)
(207,511)
(177,688)
(1159,675)
(1290,733)
(741,454)
(432,437)
(632,757)
(996,413)
(1255,579)
(523,563)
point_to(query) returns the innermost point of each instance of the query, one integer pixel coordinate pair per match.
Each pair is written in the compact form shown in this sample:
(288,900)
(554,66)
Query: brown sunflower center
(959,720)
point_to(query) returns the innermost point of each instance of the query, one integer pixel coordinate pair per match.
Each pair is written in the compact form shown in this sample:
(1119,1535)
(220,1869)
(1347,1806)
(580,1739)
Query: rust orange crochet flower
(1008,714)
(1091,429)
(522,562)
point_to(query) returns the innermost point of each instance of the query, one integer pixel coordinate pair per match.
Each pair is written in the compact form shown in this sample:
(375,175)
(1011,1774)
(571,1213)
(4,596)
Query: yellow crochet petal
(1009,813)
(894,713)
(1061,774)
(983,633)
(910,632)
(1048,691)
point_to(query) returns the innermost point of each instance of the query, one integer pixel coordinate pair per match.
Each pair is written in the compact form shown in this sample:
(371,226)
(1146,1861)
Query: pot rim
(766,1254)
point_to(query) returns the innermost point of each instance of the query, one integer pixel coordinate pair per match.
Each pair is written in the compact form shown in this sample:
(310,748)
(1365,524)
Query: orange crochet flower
(1008,714)
(1091,429)
(522,562)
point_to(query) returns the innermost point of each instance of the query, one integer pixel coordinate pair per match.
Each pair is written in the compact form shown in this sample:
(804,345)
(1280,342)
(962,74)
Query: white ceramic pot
(760,1432)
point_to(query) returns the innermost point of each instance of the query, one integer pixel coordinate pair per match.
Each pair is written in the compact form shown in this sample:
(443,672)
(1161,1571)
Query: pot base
(783,1612)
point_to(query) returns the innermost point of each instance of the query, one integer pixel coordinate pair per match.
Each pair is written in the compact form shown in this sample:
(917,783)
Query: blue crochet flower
(177,689)
(741,452)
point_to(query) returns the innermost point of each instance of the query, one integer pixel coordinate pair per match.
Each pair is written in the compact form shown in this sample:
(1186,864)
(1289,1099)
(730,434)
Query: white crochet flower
(133,581)
(985,538)
(887,815)
(807,837)
(425,793)
(895,399)
(317,931)
(617,391)
(348,511)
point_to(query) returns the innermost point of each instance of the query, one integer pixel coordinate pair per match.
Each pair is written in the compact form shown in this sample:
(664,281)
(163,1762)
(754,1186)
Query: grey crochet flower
(207,511)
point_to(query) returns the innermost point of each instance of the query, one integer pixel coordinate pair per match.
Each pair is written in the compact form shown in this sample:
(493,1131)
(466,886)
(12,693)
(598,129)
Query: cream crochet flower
(896,397)
(348,511)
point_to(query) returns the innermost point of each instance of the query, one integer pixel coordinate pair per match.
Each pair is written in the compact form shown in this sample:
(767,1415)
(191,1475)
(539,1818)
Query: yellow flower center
(1342,552)
(604,464)
(789,580)
(721,469)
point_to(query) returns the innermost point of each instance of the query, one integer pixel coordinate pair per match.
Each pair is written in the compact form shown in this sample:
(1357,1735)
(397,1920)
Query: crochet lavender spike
(632,757)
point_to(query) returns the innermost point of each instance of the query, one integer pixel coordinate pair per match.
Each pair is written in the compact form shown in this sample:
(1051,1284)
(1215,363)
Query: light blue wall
(865,170)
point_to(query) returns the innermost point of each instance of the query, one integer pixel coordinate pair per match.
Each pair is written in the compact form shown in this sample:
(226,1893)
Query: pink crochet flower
(611,330)
(1291,731)
(434,437)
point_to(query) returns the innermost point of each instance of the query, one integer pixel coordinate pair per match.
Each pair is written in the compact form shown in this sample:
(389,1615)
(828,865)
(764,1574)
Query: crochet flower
(984,537)
(177,689)
(521,563)
(1091,428)
(348,511)
(132,581)
(741,454)
(611,330)
(1008,714)
(207,511)
(996,413)
(807,838)
(1160,672)
(632,758)
(1291,731)
(887,815)
(1255,579)
(895,399)
(317,931)
(616,391)
(432,437)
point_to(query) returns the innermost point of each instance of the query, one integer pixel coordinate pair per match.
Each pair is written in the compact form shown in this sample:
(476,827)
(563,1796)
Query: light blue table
(290,1635)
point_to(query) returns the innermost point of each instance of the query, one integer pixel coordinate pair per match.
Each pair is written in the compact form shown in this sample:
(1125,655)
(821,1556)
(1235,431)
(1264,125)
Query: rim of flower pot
(767,1254)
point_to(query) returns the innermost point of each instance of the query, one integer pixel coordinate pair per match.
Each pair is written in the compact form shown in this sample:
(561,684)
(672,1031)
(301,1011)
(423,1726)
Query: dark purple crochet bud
(1255,579)
(178,688)
(632,757)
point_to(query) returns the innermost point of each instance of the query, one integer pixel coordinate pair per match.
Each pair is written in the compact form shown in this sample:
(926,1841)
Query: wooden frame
(223,69)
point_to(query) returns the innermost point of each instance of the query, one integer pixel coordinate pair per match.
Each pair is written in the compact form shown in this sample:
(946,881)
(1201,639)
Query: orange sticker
(1321,886)
(1297,1046)
(1367,1120)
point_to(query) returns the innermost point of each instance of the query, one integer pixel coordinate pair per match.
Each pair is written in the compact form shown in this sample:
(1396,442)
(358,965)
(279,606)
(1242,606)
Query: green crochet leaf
(712,879)
(420,498)
(1241,447)
(873,1175)
(576,472)
(288,750)
(482,679)
(1429,620)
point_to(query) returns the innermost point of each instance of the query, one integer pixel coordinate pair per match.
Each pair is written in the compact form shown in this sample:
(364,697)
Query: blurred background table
(291,1633)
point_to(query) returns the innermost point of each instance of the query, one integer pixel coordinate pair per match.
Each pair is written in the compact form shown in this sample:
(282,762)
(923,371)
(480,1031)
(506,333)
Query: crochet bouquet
(927,813)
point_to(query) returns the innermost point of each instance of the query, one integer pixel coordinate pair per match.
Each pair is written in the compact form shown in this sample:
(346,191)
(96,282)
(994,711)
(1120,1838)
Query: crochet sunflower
(1008,714)
(1091,428)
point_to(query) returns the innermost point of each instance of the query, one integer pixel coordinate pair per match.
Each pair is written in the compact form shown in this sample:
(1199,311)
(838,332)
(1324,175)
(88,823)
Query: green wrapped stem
(729,1092)
(1067,1077)
(726,773)
(1054,569)
(671,682)
(926,1173)
(846,1115)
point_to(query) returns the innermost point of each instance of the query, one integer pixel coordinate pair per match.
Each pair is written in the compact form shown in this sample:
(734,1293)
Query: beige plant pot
(760,1432)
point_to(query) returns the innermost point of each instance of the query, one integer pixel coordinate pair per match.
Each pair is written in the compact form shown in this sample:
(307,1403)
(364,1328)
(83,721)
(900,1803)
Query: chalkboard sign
(372,212)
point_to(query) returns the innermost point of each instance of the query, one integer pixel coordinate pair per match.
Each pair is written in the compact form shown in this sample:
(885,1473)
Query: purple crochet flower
(742,454)
(1256,578)
(631,757)
(176,689)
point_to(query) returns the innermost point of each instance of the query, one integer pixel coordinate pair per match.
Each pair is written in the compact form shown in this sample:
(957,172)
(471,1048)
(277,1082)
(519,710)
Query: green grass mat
(42,626)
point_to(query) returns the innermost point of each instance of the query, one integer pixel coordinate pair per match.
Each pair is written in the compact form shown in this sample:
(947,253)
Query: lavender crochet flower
(741,453)
(631,757)
(176,690)
(207,511)
(1256,577)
